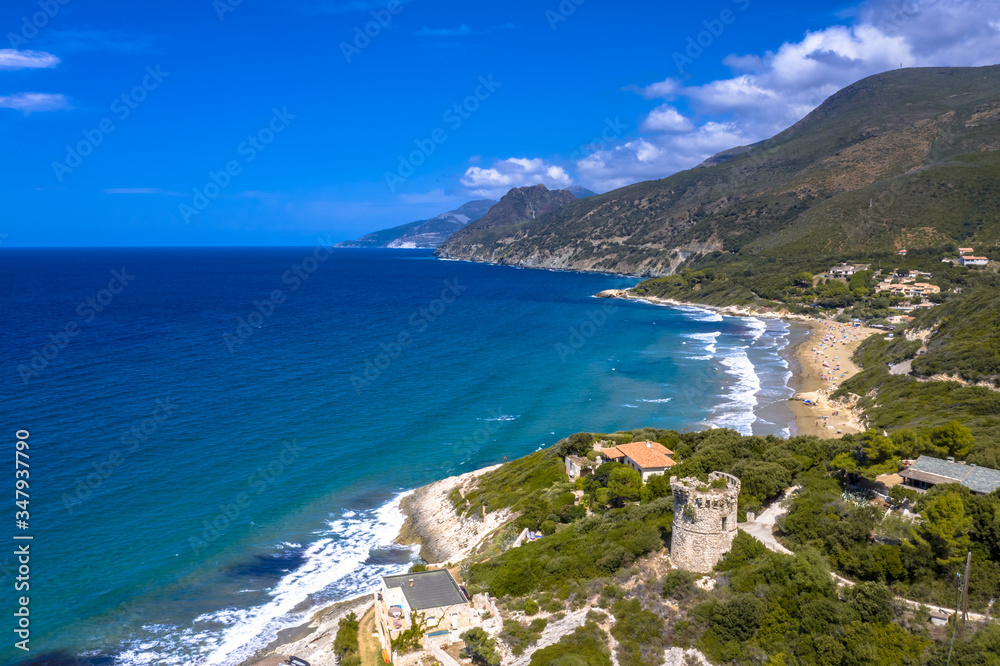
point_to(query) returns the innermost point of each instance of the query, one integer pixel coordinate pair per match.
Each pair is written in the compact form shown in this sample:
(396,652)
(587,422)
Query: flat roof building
(927,472)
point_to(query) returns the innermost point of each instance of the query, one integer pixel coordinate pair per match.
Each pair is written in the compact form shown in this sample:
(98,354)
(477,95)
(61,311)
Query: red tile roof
(647,454)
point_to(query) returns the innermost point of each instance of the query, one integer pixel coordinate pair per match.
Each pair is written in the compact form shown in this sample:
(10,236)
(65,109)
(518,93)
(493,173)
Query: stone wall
(704,521)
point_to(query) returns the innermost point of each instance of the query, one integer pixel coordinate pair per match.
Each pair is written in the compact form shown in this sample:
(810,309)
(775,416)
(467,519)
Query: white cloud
(494,181)
(773,90)
(666,118)
(32,102)
(14,59)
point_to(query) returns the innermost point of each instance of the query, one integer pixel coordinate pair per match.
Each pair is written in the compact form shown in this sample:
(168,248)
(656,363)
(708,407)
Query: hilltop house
(648,458)
(927,472)
(969,260)
(965,250)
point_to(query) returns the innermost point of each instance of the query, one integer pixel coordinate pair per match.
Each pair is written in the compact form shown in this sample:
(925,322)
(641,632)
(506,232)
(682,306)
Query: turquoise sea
(219,437)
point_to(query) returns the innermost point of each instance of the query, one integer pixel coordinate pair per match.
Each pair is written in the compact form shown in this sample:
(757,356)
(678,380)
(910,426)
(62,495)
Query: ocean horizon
(221,436)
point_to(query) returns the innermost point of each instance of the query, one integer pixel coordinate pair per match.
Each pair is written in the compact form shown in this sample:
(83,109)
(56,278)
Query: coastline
(825,341)
(430,523)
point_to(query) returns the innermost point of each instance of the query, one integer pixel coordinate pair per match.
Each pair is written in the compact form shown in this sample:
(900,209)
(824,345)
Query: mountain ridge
(893,161)
(428,233)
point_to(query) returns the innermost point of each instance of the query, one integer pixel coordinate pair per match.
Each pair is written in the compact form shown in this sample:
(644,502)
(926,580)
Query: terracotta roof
(965,249)
(647,454)
(612,453)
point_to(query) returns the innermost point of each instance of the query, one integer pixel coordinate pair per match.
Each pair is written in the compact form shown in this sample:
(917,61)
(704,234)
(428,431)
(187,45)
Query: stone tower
(704,521)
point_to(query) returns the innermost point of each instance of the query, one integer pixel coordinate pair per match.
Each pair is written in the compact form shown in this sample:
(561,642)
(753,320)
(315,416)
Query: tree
(659,486)
(345,645)
(480,647)
(954,438)
(804,279)
(624,485)
(872,602)
(945,527)
(738,618)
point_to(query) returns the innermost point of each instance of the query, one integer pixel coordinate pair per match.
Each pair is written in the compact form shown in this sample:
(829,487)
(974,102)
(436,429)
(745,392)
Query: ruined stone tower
(704,521)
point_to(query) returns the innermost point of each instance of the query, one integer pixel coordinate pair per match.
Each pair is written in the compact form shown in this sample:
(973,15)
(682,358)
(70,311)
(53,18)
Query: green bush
(531,607)
(679,585)
(480,647)
(345,645)
(586,646)
(520,636)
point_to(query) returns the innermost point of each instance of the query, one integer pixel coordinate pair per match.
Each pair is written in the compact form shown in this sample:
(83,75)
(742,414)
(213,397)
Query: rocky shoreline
(432,524)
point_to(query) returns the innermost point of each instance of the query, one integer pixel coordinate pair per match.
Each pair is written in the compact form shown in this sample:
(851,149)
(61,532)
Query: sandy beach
(824,362)
(819,365)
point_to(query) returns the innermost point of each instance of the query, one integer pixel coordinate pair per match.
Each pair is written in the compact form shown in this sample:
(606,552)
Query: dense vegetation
(918,560)
(766,607)
(784,609)
(964,342)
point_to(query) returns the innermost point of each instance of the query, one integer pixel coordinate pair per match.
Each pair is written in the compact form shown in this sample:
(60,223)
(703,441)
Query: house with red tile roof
(969,260)
(648,458)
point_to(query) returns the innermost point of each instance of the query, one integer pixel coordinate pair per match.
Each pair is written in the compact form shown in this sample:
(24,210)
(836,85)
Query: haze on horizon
(237,123)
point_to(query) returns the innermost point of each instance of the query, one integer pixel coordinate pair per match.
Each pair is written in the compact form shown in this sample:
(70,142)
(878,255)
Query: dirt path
(368,647)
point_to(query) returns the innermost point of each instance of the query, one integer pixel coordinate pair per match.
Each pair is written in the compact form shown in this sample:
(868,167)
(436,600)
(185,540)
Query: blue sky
(267,122)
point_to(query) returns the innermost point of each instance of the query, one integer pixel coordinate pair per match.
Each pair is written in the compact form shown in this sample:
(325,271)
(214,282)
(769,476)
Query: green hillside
(906,159)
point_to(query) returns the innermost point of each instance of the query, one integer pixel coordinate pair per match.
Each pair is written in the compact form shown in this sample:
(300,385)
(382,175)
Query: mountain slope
(900,160)
(519,205)
(425,233)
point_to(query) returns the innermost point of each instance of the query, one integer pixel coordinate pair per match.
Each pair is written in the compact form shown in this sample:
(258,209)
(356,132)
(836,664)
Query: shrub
(586,646)
(531,607)
(679,584)
(345,645)
(480,647)
(519,636)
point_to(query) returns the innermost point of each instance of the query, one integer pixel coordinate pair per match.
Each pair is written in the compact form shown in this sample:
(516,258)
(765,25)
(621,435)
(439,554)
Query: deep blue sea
(219,437)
